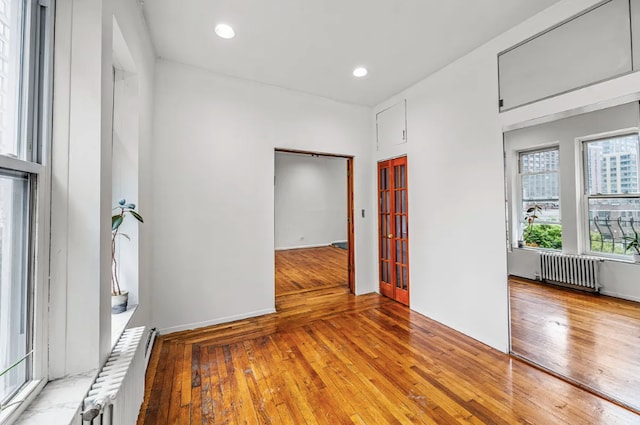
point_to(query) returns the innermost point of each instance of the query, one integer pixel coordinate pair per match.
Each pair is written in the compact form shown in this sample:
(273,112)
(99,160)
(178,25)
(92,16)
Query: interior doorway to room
(393,229)
(313,228)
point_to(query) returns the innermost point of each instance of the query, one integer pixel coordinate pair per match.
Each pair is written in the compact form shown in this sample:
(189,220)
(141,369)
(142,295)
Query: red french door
(393,229)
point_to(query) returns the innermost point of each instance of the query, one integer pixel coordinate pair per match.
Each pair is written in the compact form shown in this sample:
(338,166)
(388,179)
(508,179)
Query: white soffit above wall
(314,45)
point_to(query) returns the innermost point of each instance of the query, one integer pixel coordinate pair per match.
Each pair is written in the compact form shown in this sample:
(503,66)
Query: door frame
(351,266)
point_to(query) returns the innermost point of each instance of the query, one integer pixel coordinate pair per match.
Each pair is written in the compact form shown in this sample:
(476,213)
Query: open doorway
(313,229)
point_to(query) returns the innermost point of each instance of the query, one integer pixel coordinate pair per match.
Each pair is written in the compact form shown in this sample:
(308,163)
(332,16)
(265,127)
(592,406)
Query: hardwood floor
(304,269)
(328,357)
(592,340)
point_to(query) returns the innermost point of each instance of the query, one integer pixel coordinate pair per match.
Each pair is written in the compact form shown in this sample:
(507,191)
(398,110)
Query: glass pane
(14,343)
(400,179)
(10,72)
(404,252)
(387,272)
(610,221)
(398,200)
(405,279)
(540,187)
(388,225)
(384,246)
(399,277)
(404,201)
(612,165)
(547,212)
(387,196)
(388,244)
(403,228)
(398,226)
(398,251)
(539,161)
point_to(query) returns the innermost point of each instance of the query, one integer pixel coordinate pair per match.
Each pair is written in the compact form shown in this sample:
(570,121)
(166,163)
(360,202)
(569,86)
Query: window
(14,246)
(540,194)
(24,37)
(612,192)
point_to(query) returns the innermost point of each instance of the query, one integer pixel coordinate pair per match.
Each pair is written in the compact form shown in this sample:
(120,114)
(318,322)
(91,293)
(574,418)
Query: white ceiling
(314,45)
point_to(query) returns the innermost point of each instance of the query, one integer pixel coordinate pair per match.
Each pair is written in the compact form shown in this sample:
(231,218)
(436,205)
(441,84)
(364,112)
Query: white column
(80,317)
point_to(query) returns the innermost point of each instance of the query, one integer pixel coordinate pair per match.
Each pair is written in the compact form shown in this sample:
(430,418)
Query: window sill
(119,323)
(59,401)
(534,249)
(599,257)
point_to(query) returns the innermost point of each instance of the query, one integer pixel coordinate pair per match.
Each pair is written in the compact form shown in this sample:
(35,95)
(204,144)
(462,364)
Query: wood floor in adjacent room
(328,357)
(593,340)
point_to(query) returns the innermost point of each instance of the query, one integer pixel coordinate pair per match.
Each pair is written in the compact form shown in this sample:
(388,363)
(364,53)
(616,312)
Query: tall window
(22,174)
(612,192)
(540,194)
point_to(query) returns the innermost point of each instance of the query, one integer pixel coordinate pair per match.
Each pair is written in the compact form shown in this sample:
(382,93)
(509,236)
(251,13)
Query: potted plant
(530,216)
(119,298)
(633,243)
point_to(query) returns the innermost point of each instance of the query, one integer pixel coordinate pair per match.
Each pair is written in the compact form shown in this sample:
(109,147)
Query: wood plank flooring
(328,357)
(304,269)
(591,339)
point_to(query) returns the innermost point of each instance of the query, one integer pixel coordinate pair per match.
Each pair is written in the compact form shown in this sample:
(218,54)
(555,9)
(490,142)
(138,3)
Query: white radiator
(575,271)
(116,395)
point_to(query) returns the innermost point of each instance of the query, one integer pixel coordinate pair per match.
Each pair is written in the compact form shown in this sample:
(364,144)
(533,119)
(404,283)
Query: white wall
(213,192)
(310,200)
(456,179)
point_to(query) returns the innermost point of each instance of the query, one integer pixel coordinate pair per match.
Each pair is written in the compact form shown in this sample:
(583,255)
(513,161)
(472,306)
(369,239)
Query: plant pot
(636,258)
(520,244)
(119,302)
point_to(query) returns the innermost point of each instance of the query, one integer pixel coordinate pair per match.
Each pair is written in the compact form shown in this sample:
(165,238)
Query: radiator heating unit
(573,271)
(117,393)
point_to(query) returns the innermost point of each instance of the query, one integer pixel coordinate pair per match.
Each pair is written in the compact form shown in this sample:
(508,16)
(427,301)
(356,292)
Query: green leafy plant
(530,216)
(122,210)
(633,242)
(545,236)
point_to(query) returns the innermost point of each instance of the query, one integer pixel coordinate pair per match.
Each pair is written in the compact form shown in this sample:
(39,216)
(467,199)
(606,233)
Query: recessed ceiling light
(225,31)
(360,72)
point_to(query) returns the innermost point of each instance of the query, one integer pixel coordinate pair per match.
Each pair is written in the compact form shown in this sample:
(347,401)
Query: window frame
(584,240)
(555,146)
(34,128)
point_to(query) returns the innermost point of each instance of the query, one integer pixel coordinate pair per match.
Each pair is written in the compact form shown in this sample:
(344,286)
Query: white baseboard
(303,246)
(618,295)
(217,321)
(339,242)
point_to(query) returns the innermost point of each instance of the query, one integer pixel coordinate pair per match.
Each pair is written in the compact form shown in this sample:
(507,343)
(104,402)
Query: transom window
(612,192)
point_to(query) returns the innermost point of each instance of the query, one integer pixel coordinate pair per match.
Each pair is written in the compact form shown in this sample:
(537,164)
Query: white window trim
(582,200)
